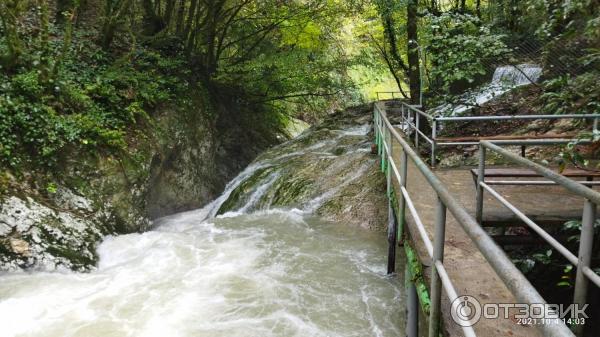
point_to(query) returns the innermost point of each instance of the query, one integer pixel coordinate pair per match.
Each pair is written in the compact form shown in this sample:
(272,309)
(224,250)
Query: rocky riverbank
(53,219)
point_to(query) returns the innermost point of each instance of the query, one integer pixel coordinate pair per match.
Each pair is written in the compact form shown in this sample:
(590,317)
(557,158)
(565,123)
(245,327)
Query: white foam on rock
(505,79)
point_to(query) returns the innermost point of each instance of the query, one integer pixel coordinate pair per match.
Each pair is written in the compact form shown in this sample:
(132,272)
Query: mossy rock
(76,258)
(291,191)
(241,193)
(339,151)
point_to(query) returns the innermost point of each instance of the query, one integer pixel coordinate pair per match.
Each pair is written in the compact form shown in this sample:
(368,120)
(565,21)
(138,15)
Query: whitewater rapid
(273,272)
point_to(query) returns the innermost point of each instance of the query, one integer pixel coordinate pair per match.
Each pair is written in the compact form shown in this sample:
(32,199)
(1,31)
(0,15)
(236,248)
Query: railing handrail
(567,183)
(514,280)
(582,261)
(511,117)
(420,112)
(406,116)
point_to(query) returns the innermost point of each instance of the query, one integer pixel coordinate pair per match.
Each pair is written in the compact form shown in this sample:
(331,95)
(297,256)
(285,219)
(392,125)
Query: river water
(269,272)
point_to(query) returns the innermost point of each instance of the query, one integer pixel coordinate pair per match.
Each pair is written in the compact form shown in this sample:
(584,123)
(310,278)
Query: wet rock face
(35,235)
(328,170)
(182,163)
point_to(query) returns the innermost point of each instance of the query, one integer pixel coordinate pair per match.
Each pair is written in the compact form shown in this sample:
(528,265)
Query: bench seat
(528,173)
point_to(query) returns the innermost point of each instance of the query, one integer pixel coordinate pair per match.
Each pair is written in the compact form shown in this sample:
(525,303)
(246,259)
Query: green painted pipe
(416,276)
(412,261)
(400,217)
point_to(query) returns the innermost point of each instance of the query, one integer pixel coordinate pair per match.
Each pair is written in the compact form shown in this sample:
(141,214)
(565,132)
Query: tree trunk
(394,60)
(154,22)
(9,13)
(61,7)
(180,16)
(170,7)
(414,69)
(114,15)
(44,65)
(190,20)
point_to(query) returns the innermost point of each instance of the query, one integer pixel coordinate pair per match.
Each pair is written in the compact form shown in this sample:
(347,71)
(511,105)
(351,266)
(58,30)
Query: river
(252,272)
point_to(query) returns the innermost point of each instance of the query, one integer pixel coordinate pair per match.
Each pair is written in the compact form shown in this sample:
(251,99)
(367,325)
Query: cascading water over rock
(505,78)
(257,261)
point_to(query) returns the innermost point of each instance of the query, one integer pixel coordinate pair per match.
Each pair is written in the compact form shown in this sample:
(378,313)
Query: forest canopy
(81,72)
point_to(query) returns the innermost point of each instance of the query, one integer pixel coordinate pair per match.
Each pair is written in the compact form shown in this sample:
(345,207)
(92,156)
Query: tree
(114,15)
(63,6)
(10,13)
(414,70)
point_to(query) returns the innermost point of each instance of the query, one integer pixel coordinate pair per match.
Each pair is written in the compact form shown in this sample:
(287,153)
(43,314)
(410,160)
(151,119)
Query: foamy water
(268,273)
(272,273)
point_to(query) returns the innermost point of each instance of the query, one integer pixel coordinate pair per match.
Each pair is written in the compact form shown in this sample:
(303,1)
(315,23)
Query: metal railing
(592,198)
(411,124)
(514,280)
(390,94)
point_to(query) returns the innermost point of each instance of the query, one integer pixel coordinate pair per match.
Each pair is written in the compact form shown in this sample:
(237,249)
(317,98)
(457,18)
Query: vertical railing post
(391,220)
(417,119)
(404,124)
(379,143)
(392,232)
(390,157)
(402,206)
(480,179)
(595,127)
(412,306)
(438,255)
(386,158)
(376,126)
(383,147)
(433,141)
(586,242)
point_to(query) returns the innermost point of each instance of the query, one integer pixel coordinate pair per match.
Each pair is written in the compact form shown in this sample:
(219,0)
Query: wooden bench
(528,173)
(501,137)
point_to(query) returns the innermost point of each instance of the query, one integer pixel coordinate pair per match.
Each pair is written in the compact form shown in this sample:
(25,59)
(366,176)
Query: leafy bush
(90,104)
(572,95)
(544,266)
(460,49)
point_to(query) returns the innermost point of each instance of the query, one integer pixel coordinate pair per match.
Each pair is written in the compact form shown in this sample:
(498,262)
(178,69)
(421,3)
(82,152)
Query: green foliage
(572,95)
(300,68)
(544,262)
(460,49)
(573,230)
(51,188)
(571,154)
(88,106)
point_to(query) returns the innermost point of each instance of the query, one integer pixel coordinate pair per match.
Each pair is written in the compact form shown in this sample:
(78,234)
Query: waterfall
(514,76)
(505,79)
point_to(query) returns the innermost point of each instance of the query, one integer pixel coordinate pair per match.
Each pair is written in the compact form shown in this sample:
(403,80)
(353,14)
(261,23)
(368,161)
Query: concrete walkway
(467,268)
